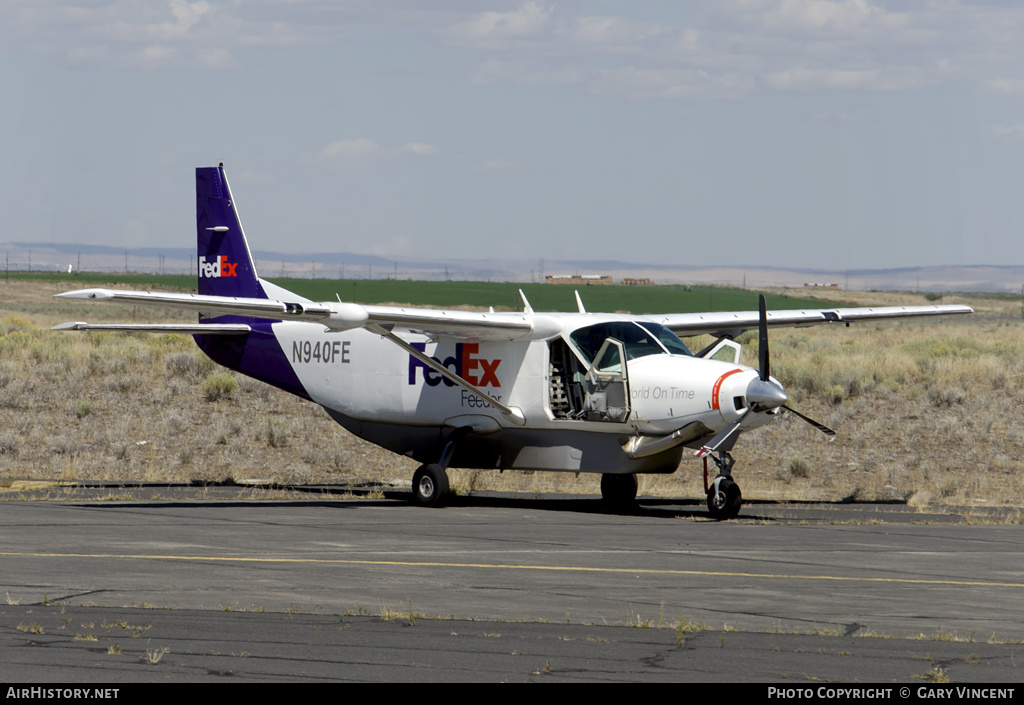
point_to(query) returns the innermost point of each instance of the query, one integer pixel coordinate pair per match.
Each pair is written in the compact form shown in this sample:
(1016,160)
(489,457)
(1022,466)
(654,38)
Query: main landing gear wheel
(619,491)
(429,485)
(724,499)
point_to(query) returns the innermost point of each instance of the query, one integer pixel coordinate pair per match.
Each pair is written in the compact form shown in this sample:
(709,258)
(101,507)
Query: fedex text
(474,402)
(478,371)
(217,268)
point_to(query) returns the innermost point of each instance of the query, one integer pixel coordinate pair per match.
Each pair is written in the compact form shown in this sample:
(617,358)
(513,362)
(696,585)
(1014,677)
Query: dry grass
(924,410)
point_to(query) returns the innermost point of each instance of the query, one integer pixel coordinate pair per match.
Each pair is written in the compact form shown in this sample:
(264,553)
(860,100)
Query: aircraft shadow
(230,495)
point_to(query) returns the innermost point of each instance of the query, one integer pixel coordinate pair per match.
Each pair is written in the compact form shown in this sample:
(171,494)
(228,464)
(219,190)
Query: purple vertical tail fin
(226,269)
(225,264)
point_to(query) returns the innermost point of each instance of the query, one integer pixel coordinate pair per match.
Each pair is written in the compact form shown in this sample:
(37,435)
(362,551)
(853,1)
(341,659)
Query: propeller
(818,425)
(762,339)
(763,393)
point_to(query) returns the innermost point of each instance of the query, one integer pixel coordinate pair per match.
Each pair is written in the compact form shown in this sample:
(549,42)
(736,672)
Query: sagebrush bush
(181,364)
(277,433)
(219,386)
(82,407)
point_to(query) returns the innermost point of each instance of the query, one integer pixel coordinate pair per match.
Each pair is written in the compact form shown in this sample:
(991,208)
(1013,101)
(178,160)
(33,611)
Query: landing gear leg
(724,498)
(619,491)
(430,482)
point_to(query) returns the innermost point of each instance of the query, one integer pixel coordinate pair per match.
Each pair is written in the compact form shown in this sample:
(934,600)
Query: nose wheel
(724,497)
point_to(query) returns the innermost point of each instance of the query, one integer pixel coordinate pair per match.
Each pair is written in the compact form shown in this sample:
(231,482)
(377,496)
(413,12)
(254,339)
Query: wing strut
(514,414)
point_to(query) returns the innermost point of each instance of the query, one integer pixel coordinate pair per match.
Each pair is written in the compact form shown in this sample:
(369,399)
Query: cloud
(356,150)
(217,59)
(817,79)
(1005,86)
(837,116)
(707,49)
(721,49)
(420,149)
(1009,133)
(639,83)
(349,149)
(526,73)
(186,15)
(496,29)
(814,16)
(152,57)
(500,165)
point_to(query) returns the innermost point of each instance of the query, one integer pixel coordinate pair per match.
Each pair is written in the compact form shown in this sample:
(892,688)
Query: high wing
(732,323)
(455,325)
(337,316)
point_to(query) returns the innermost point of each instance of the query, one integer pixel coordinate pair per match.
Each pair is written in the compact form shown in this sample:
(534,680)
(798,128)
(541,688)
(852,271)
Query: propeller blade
(763,361)
(720,439)
(820,426)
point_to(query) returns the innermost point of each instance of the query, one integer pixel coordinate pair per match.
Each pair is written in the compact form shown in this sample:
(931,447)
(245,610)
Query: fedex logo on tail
(217,268)
(476,370)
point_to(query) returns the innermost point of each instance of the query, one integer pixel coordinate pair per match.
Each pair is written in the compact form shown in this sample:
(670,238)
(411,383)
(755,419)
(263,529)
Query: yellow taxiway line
(513,566)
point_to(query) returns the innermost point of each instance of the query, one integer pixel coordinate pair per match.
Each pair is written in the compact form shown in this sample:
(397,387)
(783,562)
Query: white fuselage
(370,384)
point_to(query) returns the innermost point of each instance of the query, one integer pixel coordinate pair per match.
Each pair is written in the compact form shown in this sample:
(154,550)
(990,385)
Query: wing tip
(85,294)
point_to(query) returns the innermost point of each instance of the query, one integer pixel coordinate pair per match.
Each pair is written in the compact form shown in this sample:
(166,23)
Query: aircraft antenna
(579,303)
(526,304)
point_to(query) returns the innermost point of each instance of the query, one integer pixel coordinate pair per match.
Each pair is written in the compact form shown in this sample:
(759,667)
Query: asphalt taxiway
(503,587)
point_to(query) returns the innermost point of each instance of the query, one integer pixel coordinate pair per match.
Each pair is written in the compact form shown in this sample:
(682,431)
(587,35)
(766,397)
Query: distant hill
(58,256)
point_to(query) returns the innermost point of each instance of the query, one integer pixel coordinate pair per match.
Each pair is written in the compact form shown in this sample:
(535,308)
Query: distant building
(630,281)
(816,285)
(579,279)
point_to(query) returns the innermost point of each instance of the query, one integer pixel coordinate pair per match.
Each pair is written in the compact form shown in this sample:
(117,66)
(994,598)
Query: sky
(831,134)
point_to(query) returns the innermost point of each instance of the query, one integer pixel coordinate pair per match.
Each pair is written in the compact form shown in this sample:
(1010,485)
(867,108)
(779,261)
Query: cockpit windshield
(667,338)
(639,339)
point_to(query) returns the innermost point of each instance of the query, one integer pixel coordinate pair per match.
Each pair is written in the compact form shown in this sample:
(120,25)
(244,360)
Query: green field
(500,295)
(85,280)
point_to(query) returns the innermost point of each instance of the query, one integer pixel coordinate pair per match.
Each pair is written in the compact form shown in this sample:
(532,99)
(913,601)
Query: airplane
(614,394)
